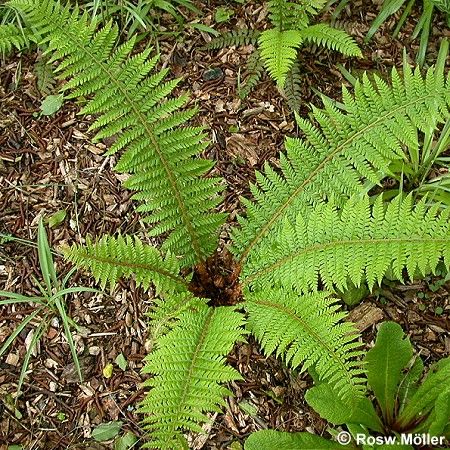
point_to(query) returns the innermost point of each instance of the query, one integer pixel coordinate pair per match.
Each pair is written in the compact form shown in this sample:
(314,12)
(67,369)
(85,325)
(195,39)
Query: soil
(49,164)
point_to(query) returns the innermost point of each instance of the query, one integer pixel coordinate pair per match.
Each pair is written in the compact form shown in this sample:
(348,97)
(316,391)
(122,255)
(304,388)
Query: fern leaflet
(255,69)
(292,87)
(359,243)
(188,368)
(332,38)
(279,50)
(166,311)
(443,5)
(236,38)
(11,37)
(45,77)
(293,15)
(132,105)
(335,157)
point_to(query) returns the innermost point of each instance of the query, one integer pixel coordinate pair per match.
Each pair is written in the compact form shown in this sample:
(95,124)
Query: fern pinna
(190,338)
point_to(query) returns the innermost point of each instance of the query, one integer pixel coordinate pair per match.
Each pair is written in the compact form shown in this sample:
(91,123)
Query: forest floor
(48,164)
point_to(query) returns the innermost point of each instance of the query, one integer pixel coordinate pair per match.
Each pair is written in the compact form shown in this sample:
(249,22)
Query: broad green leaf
(423,401)
(408,386)
(106,431)
(385,362)
(278,440)
(121,361)
(324,400)
(57,218)
(51,104)
(125,442)
(441,414)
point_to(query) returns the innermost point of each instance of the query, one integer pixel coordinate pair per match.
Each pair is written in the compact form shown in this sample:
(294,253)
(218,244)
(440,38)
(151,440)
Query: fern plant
(278,46)
(410,412)
(50,304)
(190,336)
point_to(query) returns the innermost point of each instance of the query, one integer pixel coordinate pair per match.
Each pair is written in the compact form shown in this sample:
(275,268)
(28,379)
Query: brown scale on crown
(218,279)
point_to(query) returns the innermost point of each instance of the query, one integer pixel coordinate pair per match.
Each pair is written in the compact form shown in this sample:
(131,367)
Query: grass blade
(45,258)
(18,330)
(36,337)
(68,334)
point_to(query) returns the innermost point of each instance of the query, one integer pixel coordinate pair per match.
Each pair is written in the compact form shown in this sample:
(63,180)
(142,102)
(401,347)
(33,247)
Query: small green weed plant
(50,304)
(409,409)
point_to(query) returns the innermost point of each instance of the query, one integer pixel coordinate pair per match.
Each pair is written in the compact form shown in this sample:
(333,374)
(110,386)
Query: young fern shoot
(279,45)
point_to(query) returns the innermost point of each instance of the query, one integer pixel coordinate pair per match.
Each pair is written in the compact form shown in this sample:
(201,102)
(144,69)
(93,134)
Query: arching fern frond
(308,330)
(359,243)
(131,104)
(112,258)
(236,38)
(332,38)
(344,149)
(279,50)
(188,371)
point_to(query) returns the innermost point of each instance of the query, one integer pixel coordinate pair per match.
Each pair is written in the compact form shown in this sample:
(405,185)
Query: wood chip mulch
(49,164)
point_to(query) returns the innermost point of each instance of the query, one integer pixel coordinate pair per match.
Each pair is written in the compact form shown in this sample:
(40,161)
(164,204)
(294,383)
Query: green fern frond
(11,37)
(336,156)
(236,38)
(332,38)
(278,51)
(308,330)
(292,87)
(255,70)
(359,243)
(293,15)
(131,104)
(110,259)
(188,369)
